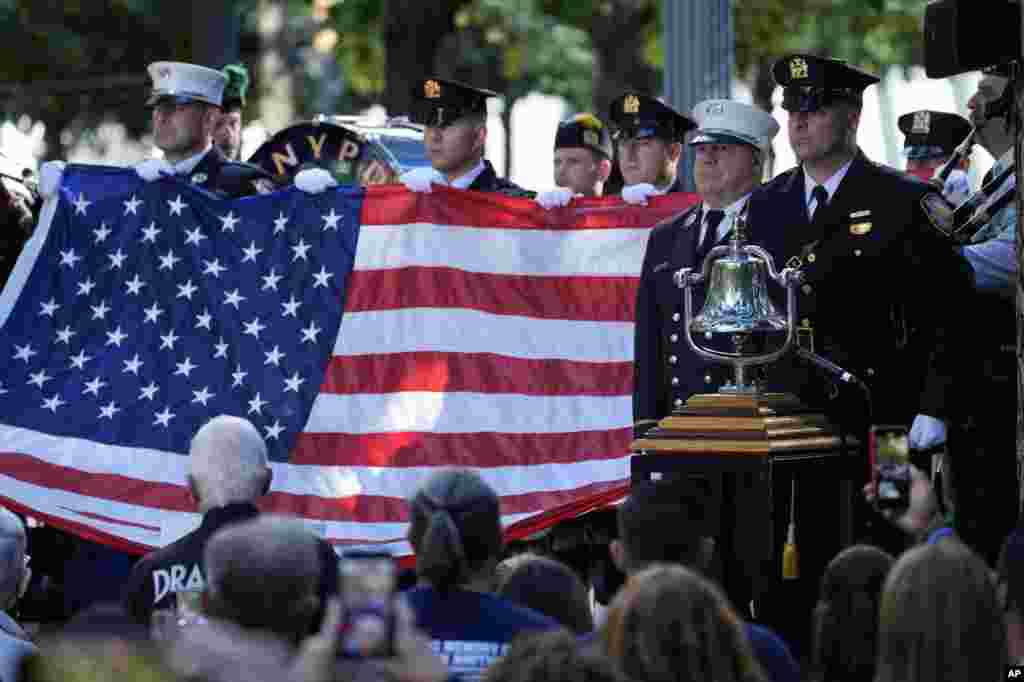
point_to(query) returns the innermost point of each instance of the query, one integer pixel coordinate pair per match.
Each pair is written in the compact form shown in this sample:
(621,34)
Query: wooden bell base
(740,424)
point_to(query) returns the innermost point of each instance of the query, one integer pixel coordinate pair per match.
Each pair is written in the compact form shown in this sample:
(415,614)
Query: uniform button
(675,381)
(807,289)
(871,371)
(811,258)
(672,359)
(806,322)
(679,402)
(857,252)
(707,378)
(675,317)
(674,338)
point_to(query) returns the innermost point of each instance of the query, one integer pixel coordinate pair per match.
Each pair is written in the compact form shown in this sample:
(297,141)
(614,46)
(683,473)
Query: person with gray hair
(15,645)
(228,472)
(455,531)
(264,575)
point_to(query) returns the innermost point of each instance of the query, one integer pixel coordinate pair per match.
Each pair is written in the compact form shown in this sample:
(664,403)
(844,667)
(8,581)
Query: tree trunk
(413,31)
(214,32)
(276,83)
(619,64)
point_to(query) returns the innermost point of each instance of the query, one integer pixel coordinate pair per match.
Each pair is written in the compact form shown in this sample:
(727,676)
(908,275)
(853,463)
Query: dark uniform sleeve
(647,391)
(941,289)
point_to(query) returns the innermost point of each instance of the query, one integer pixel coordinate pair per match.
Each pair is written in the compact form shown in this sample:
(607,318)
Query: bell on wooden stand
(740,417)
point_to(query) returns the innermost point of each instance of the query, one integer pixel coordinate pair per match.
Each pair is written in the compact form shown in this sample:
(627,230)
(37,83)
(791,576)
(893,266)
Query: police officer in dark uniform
(929,142)
(882,287)
(649,138)
(455,117)
(732,144)
(583,160)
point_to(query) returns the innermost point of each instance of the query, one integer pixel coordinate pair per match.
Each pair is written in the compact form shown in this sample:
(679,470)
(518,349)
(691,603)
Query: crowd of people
(894,278)
(249,596)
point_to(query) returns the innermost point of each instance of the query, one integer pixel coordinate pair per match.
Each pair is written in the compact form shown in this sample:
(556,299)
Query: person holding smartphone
(455,532)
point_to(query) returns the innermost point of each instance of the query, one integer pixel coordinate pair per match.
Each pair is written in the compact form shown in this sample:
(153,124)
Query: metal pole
(700,43)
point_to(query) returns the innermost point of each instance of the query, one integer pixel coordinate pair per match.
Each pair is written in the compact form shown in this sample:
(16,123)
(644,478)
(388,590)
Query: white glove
(314,180)
(50,175)
(927,432)
(637,194)
(152,169)
(555,197)
(420,179)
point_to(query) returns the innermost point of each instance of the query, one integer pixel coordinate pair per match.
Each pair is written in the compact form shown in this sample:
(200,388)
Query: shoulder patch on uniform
(939,212)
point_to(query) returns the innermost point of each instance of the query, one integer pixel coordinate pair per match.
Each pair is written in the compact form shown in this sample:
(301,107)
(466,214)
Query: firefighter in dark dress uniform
(649,138)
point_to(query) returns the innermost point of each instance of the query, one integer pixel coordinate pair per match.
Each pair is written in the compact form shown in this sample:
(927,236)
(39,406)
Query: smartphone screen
(889,450)
(367,587)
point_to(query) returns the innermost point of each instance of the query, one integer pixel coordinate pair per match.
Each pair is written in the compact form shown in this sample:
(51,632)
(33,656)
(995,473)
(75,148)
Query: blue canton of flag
(152,307)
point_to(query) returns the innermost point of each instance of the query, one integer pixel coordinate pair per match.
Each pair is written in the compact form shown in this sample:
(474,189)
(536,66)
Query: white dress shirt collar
(467,178)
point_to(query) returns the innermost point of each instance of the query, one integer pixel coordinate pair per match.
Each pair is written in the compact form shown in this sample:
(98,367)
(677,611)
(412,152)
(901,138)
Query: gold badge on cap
(631,105)
(431,89)
(922,122)
(797,68)
(590,137)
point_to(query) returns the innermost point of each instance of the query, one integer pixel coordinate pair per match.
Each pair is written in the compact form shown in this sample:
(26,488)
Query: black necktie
(712,220)
(820,196)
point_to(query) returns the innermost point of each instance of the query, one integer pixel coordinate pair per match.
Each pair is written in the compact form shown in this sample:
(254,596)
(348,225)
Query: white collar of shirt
(660,191)
(188,165)
(467,179)
(831,185)
(724,227)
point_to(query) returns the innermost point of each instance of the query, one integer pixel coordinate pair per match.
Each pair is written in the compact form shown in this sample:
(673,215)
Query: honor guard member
(185,103)
(929,142)
(227,134)
(583,160)
(731,144)
(880,279)
(648,137)
(455,119)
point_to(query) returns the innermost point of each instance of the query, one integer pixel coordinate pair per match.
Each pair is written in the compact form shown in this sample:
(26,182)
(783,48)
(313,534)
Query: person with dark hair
(663,522)
(649,136)
(669,624)
(227,134)
(939,619)
(547,586)
(553,656)
(845,627)
(455,532)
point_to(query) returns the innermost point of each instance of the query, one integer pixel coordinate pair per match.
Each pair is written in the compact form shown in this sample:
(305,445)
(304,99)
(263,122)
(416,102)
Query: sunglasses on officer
(807,98)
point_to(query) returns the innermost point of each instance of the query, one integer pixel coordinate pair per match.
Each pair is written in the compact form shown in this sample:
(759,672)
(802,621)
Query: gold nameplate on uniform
(797,68)
(631,105)
(860,228)
(939,212)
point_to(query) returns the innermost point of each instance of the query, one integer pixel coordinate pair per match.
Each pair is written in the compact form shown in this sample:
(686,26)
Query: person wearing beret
(882,284)
(649,138)
(186,104)
(227,134)
(732,142)
(929,142)
(454,116)
(583,160)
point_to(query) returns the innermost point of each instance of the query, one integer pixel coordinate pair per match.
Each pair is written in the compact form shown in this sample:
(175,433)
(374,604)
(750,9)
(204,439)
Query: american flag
(371,335)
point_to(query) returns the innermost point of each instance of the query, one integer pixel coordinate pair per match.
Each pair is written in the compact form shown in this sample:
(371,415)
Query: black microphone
(830,367)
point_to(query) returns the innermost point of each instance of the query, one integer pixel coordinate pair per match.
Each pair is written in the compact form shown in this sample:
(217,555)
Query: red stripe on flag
(485,450)
(474,372)
(361,508)
(611,299)
(394,205)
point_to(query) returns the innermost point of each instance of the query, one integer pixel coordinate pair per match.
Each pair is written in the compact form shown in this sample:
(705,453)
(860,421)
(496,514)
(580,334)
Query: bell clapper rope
(790,554)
